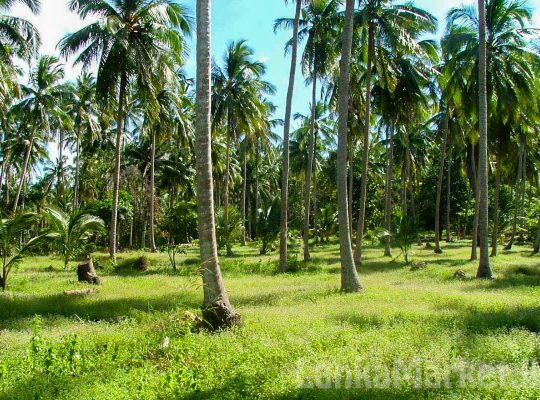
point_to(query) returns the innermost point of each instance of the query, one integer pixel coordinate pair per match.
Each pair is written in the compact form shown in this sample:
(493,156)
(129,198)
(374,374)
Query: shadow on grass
(14,309)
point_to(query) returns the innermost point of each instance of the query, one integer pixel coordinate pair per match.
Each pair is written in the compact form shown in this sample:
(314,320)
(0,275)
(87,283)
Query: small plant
(268,225)
(406,235)
(173,250)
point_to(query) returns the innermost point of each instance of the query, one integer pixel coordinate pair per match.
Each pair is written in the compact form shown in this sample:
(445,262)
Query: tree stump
(87,273)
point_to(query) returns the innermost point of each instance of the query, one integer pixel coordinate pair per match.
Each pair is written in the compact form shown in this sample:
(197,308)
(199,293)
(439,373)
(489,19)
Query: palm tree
(484,267)
(238,103)
(71,231)
(217,310)
(136,41)
(11,248)
(399,27)
(318,25)
(349,277)
(40,103)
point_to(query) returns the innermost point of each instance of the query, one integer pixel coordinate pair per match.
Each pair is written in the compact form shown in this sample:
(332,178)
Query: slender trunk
(351,180)
(226,194)
(315,205)
(244,190)
(517,197)
(217,310)
(3,171)
(484,267)
(495,237)
(24,170)
(77,169)
(474,244)
(350,281)
(448,199)
(536,248)
(8,181)
(283,230)
(523,194)
(61,163)
(365,155)
(116,187)
(388,191)
(309,171)
(131,233)
(442,161)
(257,194)
(152,192)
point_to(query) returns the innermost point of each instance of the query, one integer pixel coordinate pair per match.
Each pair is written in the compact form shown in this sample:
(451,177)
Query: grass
(410,335)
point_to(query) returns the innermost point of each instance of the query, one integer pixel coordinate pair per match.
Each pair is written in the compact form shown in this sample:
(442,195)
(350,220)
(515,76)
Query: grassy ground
(411,334)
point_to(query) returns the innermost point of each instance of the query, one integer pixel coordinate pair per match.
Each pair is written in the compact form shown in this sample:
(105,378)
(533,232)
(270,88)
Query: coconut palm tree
(134,41)
(238,104)
(71,231)
(398,27)
(318,24)
(217,310)
(40,104)
(349,277)
(284,229)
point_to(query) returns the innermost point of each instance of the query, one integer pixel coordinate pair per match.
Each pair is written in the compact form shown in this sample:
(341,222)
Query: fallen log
(80,292)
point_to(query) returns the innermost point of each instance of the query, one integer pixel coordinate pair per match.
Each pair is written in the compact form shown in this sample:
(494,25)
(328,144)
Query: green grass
(410,335)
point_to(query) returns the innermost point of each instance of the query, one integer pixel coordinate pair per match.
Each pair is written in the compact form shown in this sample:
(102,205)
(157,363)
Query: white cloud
(54,21)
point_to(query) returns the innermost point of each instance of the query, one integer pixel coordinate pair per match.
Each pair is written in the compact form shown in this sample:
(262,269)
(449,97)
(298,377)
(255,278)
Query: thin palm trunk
(257,194)
(365,155)
(309,171)
(226,193)
(244,191)
(388,191)
(283,230)
(350,281)
(119,130)
(484,267)
(536,248)
(517,197)
(77,168)
(217,310)
(351,180)
(60,190)
(152,192)
(523,195)
(442,161)
(448,197)
(24,170)
(315,205)
(495,237)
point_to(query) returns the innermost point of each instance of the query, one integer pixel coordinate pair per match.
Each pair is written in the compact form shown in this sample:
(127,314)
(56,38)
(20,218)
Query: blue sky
(232,20)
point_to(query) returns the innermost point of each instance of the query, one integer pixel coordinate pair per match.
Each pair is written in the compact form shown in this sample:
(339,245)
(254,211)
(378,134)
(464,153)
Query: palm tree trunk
(4,167)
(315,205)
(8,186)
(61,163)
(244,191)
(77,169)
(257,194)
(309,171)
(365,156)
(24,170)
(536,248)
(152,192)
(388,191)
(495,237)
(217,310)
(523,194)
(442,161)
(283,230)
(517,197)
(116,187)
(448,195)
(484,267)
(350,281)
(226,194)
(351,181)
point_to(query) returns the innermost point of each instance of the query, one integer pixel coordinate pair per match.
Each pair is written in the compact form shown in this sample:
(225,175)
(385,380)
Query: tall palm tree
(283,232)
(319,26)
(349,277)
(40,103)
(238,102)
(484,267)
(130,40)
(398,27)
(217,310)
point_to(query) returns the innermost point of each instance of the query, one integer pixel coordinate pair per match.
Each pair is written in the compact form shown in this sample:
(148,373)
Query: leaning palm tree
(217,310)
(283,232)
(70,231)
(349,277)
(129,40)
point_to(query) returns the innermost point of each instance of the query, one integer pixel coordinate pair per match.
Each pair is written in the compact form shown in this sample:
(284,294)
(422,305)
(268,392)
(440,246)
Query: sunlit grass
(298,330)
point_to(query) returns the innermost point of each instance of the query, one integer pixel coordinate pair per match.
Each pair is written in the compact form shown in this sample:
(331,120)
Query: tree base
(438,250)
(87,273)
(219,316)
